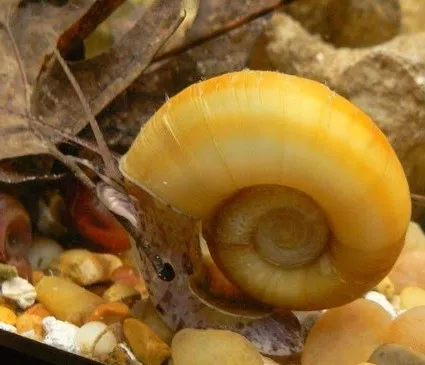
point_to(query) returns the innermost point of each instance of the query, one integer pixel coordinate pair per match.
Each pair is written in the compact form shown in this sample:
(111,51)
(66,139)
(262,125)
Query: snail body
(303,203)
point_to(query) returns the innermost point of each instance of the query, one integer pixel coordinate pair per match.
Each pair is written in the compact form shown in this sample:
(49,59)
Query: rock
(415,237)
(148,314)
(413,15)
(121,292)
(367,77)
(30,323)
(382,301)
(412,296)
(123,355)
(351,23)
(94,338)
(409,270)
(109,262)
(82,266)
(109,313)
(7,272)
(7,315)
(42,252)
(60,334)
(386,287)
(129,276)
(20,291)
(408,329)
(38,310)
(360,23)
(66,300)
(393,354)
(335,339)
(7,327)
(210,347)
(148,348)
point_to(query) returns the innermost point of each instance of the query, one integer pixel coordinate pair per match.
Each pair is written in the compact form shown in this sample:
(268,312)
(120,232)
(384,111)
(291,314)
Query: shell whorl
(259,128)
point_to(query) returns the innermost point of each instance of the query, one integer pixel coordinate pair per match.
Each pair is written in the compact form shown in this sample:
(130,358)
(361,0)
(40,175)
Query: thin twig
(79,174)
(110,167)
(418,200)
(70,138)
(97,170)
(221,31)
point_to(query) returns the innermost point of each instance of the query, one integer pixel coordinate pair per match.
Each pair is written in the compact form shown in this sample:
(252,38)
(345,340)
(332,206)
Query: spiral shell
(265,159)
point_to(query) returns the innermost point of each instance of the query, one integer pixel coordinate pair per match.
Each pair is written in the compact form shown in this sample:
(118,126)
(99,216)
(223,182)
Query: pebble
(31,334)
(42,252)
(211,347)
(144,343)
(386,287)
(81,266)
(7,315)
(121,292)
(412,296)
(30,322)
(382,300)
(95,338)
(109,313)
(60,334)
(333,339)
(7,327)
(393,354)
(7,272)
(66,300)
(20,291)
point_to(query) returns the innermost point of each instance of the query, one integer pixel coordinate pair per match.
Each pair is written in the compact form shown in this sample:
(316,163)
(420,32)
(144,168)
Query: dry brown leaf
(38,27)
(35,27)
(104,77)
(121,121)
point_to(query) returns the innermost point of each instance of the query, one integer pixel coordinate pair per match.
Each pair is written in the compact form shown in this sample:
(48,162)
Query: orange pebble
(38,310)
(408,329)
(409,270)
(125,273)
(27,322)
(7,315)
(346,335)
(109,313)
(129,276)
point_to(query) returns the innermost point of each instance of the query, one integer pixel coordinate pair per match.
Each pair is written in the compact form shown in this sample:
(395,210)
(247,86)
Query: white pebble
(7,327)
(95,338)
(20,291)
(382,301)
(60,334)
(42,252)
(30,334)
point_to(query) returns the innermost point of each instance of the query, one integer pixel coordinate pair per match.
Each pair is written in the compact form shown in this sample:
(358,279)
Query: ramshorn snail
(302,200)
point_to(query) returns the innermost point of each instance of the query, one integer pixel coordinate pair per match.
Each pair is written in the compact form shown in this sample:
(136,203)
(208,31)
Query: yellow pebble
(30,322)
(412,296)
(7,315)
(386,287)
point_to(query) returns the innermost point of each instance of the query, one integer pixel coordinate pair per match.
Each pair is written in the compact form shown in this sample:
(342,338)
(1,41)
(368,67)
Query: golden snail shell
(304,202)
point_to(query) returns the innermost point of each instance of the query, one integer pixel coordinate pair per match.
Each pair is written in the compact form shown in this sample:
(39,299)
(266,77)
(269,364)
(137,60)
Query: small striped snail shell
(302,200)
